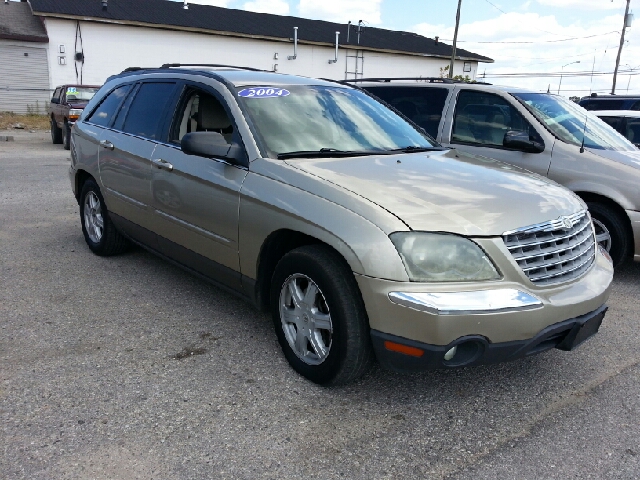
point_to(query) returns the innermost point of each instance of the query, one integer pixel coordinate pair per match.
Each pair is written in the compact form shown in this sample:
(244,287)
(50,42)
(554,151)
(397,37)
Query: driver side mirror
(522,141)
(213,145)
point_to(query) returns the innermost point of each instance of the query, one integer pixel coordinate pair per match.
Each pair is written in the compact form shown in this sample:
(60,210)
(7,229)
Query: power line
(557,74)
(539,41)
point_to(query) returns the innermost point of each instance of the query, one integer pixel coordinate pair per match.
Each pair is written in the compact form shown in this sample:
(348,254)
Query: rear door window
(613,121)
(146,116)
(484,118)
(423,105)
(103,115)
(632,130)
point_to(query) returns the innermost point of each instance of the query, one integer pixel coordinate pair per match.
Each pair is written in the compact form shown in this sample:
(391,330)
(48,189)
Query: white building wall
(110,48)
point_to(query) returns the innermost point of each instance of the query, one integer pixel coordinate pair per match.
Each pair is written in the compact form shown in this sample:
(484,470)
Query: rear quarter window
(103,115)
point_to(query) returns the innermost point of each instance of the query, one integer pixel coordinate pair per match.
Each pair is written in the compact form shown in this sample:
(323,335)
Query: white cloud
(277,7)
(584,4)
(342,10)
(540,50)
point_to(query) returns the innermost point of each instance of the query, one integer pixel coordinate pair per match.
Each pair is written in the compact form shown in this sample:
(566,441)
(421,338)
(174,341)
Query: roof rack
(214,65)
(417,79)
(178,65)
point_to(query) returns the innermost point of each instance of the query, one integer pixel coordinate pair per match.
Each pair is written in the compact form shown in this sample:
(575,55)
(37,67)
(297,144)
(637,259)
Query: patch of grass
(30,121)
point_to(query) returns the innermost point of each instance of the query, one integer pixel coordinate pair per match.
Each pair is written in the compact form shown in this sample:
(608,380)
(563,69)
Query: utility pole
(624,27)
(455,38)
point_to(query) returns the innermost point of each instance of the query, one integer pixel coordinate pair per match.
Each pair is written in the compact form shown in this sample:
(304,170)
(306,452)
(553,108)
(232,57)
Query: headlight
(74,113)
(436,257)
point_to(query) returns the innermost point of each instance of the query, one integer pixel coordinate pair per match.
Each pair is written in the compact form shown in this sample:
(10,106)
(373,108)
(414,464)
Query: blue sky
(532,36)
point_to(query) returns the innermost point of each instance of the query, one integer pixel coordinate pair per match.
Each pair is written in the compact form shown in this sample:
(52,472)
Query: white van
(541,132)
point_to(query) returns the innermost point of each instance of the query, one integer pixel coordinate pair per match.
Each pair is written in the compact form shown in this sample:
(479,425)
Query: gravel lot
(98,380)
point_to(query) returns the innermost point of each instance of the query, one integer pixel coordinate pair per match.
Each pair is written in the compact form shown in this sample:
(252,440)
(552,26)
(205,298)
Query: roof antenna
(186,5)
(359,30)
(584,132)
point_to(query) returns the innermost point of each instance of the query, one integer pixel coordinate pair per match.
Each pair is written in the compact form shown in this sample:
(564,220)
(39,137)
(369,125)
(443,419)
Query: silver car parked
(364,238)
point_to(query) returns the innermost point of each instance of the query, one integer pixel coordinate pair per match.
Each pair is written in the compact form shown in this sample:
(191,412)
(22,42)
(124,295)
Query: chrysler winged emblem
(566,222)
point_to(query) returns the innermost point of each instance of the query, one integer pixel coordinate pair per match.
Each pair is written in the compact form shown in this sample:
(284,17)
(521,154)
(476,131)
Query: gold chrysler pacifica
(361,235)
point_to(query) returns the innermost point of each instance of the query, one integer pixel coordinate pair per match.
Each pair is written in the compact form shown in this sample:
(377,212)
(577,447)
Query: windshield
(314,118)
(566,120)
(80,94)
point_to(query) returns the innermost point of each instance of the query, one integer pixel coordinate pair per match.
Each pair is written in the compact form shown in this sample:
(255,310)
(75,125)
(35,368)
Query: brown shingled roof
(18,23)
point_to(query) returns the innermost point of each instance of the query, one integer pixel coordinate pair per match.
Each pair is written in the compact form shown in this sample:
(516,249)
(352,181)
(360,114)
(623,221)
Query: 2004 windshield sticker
(263,92)
(72,90)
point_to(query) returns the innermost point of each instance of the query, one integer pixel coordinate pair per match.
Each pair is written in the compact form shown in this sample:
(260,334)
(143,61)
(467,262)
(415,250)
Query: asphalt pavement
(130,368)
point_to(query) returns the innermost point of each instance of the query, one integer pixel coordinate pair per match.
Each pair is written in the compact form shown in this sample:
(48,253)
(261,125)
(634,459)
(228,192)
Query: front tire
(611,231)
(56,133)
(319,316)
(99,232)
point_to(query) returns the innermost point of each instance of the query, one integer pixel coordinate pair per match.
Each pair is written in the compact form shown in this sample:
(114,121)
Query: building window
(467,66)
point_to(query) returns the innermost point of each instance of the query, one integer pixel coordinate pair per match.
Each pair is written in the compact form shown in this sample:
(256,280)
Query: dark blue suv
(610,102)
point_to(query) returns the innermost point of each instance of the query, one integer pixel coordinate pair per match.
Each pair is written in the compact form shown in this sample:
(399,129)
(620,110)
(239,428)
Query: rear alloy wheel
(99,233)
(66,137)
(56,133)
(319,316)
(611,232)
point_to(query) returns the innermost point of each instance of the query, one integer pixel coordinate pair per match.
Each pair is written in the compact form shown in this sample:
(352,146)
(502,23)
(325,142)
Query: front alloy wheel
(319,316)
(306,319)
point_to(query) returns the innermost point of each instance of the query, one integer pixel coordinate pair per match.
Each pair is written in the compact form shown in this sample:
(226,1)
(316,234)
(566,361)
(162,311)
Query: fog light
(451,353)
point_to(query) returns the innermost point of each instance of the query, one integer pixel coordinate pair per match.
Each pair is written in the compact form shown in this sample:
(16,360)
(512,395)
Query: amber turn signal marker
(397,347)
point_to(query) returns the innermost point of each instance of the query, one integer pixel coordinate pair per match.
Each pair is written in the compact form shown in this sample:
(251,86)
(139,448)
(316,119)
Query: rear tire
(56,133)
(99,232)
(611,231)
(66,137)
(319,316)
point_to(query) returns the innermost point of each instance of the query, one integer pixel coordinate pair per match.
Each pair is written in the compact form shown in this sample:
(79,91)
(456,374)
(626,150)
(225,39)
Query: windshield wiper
(329,153)
(414,149)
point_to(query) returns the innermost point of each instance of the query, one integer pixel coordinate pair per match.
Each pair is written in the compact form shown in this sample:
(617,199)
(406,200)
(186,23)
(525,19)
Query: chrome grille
(555,251)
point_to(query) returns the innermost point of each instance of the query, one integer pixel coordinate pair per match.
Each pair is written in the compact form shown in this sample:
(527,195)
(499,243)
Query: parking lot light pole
(561,71)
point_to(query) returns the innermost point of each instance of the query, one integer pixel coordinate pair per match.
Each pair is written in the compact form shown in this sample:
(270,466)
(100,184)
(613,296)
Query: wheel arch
(590,197)
(273,249)
(81,177)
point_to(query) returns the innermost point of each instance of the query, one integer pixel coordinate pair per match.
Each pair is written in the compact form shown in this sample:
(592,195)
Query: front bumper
(432,314)
(634,217)
(400,354)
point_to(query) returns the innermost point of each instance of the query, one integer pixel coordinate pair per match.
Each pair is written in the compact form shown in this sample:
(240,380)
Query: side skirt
(222,277)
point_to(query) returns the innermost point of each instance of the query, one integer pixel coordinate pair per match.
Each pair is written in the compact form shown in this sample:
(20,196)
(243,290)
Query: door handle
(107,144)
(162,164)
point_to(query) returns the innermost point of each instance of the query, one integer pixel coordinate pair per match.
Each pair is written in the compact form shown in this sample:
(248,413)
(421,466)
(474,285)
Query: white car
(626,122)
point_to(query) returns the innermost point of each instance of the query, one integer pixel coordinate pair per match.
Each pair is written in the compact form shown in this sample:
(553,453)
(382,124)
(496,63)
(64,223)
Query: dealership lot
(128,367)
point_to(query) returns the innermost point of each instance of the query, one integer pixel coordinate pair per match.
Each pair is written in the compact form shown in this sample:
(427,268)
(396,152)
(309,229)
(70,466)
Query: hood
(448,191)
(76,104)
(629,157)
